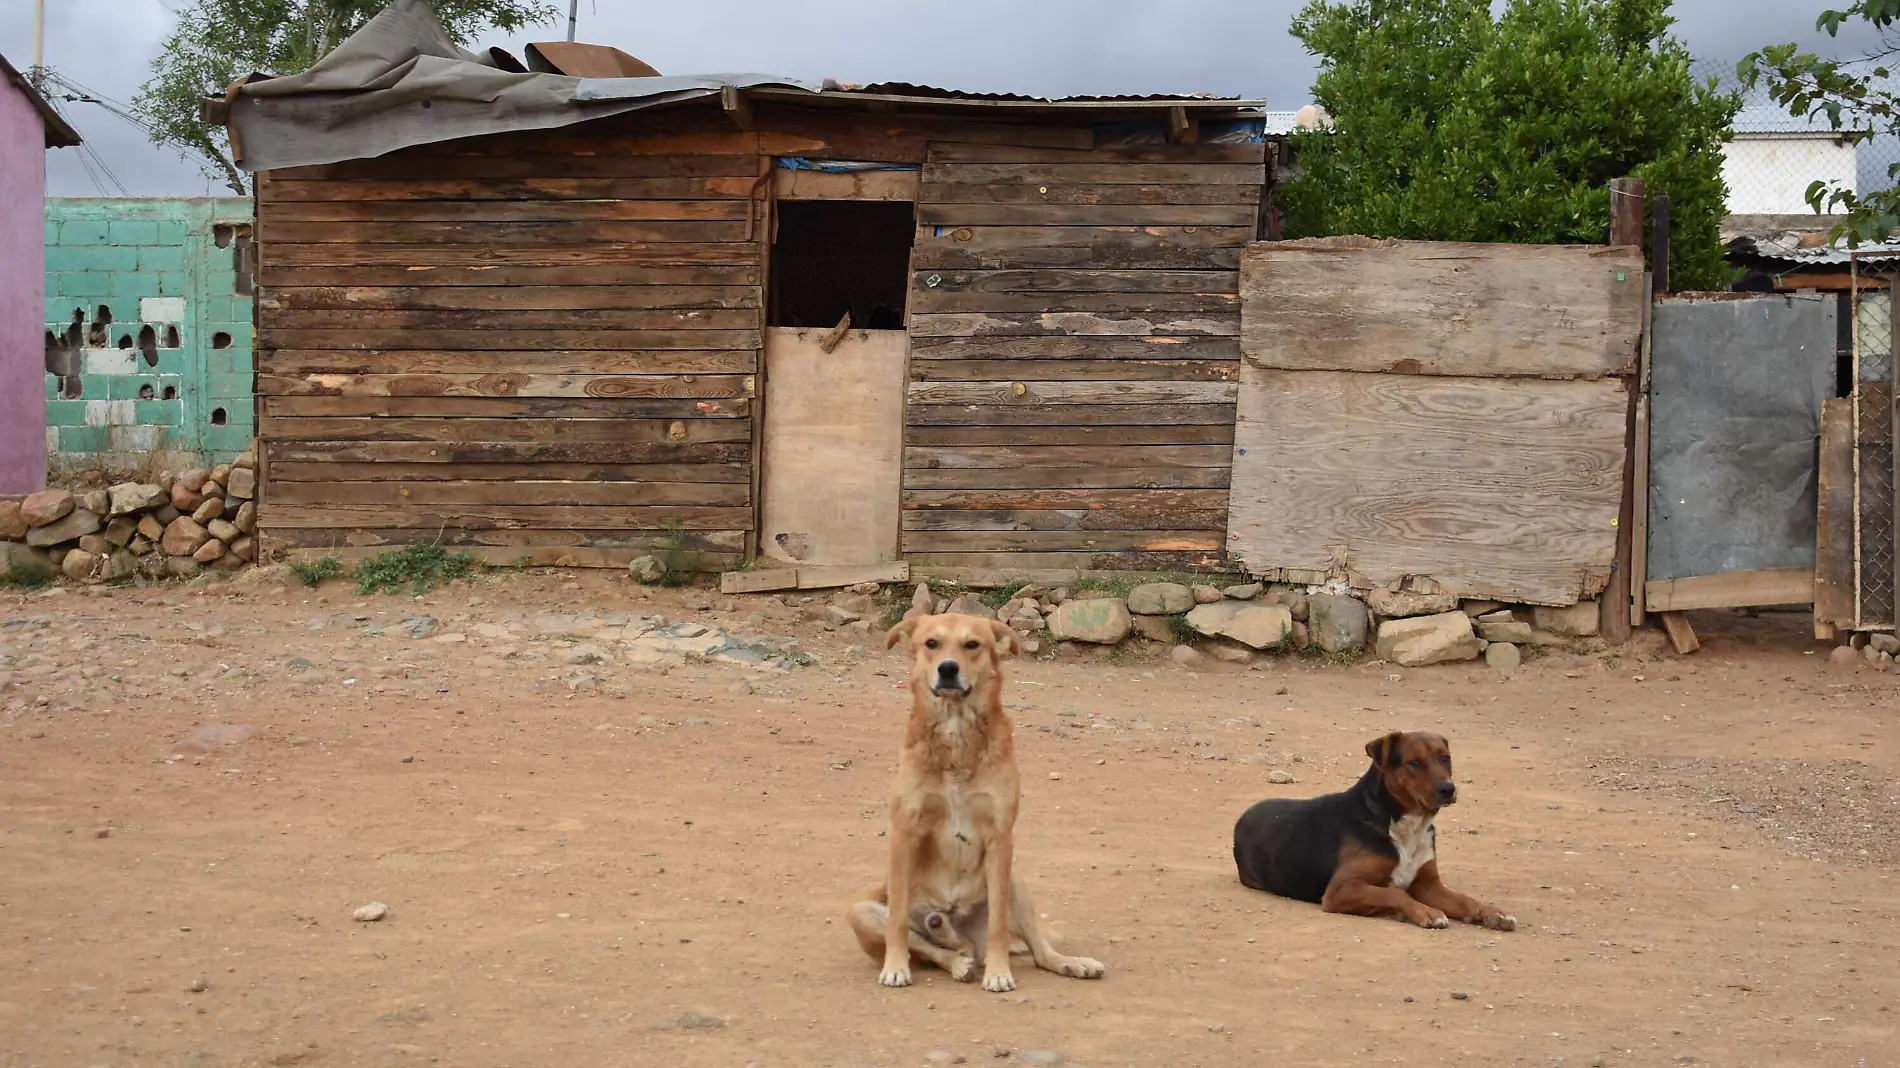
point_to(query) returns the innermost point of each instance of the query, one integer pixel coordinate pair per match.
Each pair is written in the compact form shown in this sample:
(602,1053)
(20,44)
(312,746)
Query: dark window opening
(221,340)
(244,262)
(171,393)
(1844,346)
(219,417)
(148,345)
(221,235)
(125,341)
(69,387)
(171,337)
(101,327)
(830,257)
(145,393)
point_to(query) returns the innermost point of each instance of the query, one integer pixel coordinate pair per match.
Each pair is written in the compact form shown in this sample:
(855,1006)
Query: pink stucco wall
(22,294)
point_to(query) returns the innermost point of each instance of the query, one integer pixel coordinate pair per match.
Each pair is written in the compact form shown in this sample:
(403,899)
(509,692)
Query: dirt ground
(613,865)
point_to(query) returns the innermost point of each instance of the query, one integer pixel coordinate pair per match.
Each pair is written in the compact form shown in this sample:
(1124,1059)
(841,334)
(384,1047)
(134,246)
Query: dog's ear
(1007,641)
(1384,750)
(899,633)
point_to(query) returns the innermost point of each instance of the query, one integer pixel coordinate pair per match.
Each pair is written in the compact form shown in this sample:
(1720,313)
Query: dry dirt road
(604,864)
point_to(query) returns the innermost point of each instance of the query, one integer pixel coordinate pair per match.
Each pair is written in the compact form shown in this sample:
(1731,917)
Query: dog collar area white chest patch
(1412,837)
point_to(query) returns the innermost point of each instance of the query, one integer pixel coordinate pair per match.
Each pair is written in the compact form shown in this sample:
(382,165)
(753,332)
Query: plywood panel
(1442,308)
(833,450)
(1499,489)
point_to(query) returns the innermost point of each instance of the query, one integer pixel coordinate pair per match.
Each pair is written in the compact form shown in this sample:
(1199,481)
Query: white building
(1775,157)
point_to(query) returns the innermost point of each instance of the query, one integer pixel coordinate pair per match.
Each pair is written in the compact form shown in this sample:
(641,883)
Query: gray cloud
(1053,47)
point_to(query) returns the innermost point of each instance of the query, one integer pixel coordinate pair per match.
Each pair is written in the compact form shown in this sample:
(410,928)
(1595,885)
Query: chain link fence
(1873,338)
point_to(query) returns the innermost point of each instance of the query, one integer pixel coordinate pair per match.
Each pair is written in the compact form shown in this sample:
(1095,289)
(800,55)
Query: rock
(742,687)
(1243,593)
(838,616)
(1031,646)
(198,986)
(1154,628)
(223,530)
(119,564)
(192,478)
(1295,599)
(1302,637)
(944,1056)
(699,1021)
(1231,654)
(128,497)
(185,498)
(370,913)
(1281,778)
(922,601)
(165,513)
(1501,615)
(1872,654)
(150,528)
(1886,643)
(417,627)
(1187,656)
(121,531)
(1212,619)
(1420,640)
(72,525)
(1505,632)
(1260,626)
(181,566)
(12,521)
(1502,657)
(1044,1057)
(1844,656)
(93,543)
(1337,622)
(208,509)
(1398,604)
(856,603)
(1577,621)
(1160,599)
(77,564)
(211,550)
(1477,609)
(184,537)
(970,605)
(1102,620)
(245,460)
(1206,594)
(246,518)
(95,500)
(241,482)
(244,547)
(646,570)
(279,576)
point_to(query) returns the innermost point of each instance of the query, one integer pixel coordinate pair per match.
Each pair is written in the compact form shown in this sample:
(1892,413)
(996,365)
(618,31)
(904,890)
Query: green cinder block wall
(120,271)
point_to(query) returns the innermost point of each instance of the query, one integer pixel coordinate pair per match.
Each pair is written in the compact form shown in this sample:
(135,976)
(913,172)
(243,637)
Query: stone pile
(175,526)
(1030,610)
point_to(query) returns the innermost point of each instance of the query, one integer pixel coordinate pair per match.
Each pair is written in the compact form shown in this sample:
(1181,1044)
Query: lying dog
(951,897)
(1369,851)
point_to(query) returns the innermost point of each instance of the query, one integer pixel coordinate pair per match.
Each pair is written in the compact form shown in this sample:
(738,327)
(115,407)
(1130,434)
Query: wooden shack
(579,345)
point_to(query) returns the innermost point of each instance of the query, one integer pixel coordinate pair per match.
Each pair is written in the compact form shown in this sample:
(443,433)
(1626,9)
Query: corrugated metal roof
(1786,248)
(1769,119)
(915,90)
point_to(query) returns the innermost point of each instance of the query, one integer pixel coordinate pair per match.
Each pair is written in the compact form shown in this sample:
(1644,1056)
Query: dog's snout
(949,669)
(1447,791)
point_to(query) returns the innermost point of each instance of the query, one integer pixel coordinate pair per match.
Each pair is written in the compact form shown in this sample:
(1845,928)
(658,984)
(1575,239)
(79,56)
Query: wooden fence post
(1627,208)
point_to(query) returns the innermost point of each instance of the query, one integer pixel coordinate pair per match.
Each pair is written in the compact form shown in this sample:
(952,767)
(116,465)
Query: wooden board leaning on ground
(1498,489)
(1444,308)
(1074,321)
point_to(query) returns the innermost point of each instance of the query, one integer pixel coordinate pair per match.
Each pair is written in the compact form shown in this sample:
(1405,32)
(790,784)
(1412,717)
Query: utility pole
(37,74)
(573,8)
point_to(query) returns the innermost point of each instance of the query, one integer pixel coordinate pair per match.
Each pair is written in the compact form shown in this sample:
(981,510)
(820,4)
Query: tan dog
(951,897)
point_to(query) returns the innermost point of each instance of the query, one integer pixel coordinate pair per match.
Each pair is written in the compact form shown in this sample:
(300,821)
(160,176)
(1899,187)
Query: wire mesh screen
(1874,602)
(834,256)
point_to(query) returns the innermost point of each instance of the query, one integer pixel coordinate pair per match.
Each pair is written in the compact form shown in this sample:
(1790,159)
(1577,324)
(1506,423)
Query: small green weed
(25,574)
(1002,595)
(313,572)
(678,564)
(417,568)
(1184,633)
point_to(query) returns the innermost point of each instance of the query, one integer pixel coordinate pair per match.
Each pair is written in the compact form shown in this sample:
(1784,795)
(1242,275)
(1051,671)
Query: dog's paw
(963,969)
(1498,920)
(1433,920)
(998,982)
(894,977)
(1083,968)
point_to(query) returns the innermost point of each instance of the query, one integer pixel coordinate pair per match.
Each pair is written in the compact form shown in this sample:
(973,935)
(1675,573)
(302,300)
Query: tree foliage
(216,42)
(1857,102)
(1452,123)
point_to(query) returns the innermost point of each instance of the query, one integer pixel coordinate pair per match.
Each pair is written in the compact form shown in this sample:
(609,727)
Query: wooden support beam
(1681,634)
(1659,235)
(1736,589)
(1182,129)
(736,106)
(1613,616)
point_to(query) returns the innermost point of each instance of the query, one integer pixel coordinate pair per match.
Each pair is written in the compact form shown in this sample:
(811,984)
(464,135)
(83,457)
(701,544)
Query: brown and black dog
(1371,850)
(951,897)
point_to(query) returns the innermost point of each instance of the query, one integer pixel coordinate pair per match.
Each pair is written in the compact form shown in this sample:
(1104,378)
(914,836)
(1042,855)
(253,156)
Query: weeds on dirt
(22,574)
(415,569)
(998,597)
(1182,631)
(678,564)
(313,572)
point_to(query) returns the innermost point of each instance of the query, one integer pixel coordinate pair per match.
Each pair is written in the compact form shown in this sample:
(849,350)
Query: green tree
(216,42)
(1857,98)
(1455,124)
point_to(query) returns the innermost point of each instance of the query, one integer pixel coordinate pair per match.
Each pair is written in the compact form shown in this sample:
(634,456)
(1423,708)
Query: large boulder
(1336,623)
(1398,604)
(129,497)
(1102,620)
(184,537)
(46,506)
(1577,621)
(1422,640)
(1250,623)
(12,520)
(971,605)
(78,564)
(1155,628)
(1516,633)
(1160,599)
(69,527)
(242,483)
(1212,619)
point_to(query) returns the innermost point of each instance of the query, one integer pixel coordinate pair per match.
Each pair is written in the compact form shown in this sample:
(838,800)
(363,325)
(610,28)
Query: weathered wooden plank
(1059,568)
(1093,477)
(328,470)
(460,431)
(1091,215)
(520,492)
(1096,541)
(1211,324)
(1014,457)
(1143,433)
(1497,489)
(288,197)
(577,409)
(1736,589)
(567,233)
(505,385)
(1141,499)
(1011,247)
(1152,153)
(509,319)
(932,301)
(1092,173)
(548,454)
(593,254)
(1024,519)
(1005,371)
(641,540)
(536,556)
(1681,634)
(913,132)
(493,212)
(610,274)
(1226,283)
(1443,308)
(466,167)
(1834,527)
(500,362)
(273,516)
(518,298)
(1074,347)
(1060,392)
(1051,415)
(1041,193)
(812,577)
(273,336)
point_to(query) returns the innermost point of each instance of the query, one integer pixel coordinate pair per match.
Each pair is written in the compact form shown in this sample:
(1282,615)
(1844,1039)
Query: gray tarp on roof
(400,81)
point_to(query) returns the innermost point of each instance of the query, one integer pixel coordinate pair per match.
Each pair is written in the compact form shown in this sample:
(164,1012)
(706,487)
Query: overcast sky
(1051,47)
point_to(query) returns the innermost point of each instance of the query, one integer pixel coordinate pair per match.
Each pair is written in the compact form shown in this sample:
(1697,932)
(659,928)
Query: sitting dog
(951,897)
(1371,850)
